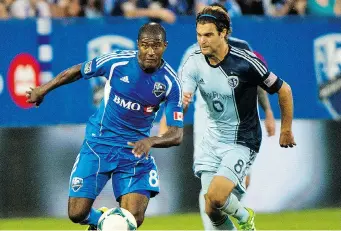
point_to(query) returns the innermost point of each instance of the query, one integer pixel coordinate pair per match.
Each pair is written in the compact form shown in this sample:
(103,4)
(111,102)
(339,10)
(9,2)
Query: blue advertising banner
(305,52)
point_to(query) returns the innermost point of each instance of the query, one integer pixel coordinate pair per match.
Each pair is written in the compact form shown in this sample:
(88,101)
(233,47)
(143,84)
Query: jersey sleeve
(260,75)
(101,65)
(188,74)
(173,105)
(92,69)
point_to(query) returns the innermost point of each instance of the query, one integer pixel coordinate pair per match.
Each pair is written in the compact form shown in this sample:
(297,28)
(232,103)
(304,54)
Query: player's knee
(216,200)
(77,216)
(79,209)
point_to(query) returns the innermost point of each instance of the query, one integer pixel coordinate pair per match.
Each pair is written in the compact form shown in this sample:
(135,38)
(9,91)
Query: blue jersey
(131,98)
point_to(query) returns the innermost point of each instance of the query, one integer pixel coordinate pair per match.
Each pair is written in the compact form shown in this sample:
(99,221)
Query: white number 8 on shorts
(153,178)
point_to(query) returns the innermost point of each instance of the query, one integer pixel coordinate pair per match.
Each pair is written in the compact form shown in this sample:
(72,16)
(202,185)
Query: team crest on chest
(233,81)
(159,89)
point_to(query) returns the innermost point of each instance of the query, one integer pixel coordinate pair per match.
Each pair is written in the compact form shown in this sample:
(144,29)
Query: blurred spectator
(337,8)
(231,6)
(66,8)
(279,8)
(251,7)
(181,7)
(73,8)
(156,10)
(3,11)
(30,8)
(93,9)
(5,8)
(324,7)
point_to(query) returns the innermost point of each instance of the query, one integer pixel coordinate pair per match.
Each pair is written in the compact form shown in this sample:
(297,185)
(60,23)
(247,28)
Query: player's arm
(263,101)
(96,67)
(272,84)
(36,95)
(285,100)
(173,118)
(187,74)
(172,137)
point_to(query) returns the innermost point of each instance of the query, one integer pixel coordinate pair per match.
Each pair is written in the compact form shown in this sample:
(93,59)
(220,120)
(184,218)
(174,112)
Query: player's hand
(141,147)
(34,95)
(270,123)
(187,98)
(286,139)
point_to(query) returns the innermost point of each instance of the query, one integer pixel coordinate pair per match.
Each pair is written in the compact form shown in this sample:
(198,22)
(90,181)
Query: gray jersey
(230,93)
(200,114)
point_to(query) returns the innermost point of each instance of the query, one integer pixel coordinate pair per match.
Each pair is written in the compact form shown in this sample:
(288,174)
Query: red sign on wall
(23,73)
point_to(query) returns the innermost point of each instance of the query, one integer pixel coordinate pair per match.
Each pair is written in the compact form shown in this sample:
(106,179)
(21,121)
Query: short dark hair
(219,5)
(219,17)
(152,29)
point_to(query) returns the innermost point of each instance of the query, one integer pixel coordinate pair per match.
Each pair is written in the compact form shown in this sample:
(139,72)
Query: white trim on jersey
(235,108)
(252,56)
(134,172)
(259,67)
(102,61)
(170,85)
(74,167)
(107,89)
(178,82)
(122,52)
(169,68)
(99,162)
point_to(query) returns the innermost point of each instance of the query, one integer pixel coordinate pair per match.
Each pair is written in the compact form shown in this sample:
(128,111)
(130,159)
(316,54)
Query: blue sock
(92,218)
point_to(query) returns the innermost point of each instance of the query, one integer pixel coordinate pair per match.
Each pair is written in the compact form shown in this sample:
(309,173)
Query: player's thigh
(206,158)
(135,174)
(90,172)
(235,163)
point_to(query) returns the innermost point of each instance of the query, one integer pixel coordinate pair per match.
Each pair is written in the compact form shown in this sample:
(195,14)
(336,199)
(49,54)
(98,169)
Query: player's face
(209,38)
(150,51)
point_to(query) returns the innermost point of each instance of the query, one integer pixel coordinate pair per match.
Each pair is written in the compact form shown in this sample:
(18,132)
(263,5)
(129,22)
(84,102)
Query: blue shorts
(97,163)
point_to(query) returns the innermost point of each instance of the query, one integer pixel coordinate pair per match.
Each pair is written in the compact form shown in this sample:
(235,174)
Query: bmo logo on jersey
(127,104)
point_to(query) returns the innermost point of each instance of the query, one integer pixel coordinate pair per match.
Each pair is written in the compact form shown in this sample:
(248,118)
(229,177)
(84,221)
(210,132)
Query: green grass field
(324,219)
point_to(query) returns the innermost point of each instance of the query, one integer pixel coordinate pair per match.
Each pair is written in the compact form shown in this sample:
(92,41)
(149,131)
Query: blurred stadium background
(298,188)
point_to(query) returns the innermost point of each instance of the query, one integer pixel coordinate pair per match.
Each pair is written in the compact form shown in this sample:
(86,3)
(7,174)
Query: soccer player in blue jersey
(117,143)
(227,78)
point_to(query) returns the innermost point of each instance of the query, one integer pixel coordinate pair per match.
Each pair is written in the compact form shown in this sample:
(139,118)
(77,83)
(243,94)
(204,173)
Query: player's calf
(136,203)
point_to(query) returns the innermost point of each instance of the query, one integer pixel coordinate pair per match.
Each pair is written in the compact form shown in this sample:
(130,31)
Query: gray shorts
(232,161)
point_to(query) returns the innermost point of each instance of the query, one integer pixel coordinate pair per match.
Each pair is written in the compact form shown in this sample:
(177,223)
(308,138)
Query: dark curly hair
(216,15)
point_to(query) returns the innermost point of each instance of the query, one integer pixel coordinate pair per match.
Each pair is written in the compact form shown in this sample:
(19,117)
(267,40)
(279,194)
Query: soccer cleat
(91,228)
(94,227)
(250,223)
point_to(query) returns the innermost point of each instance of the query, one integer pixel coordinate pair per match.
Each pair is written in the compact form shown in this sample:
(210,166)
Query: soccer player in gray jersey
(200,122)
(227,78)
